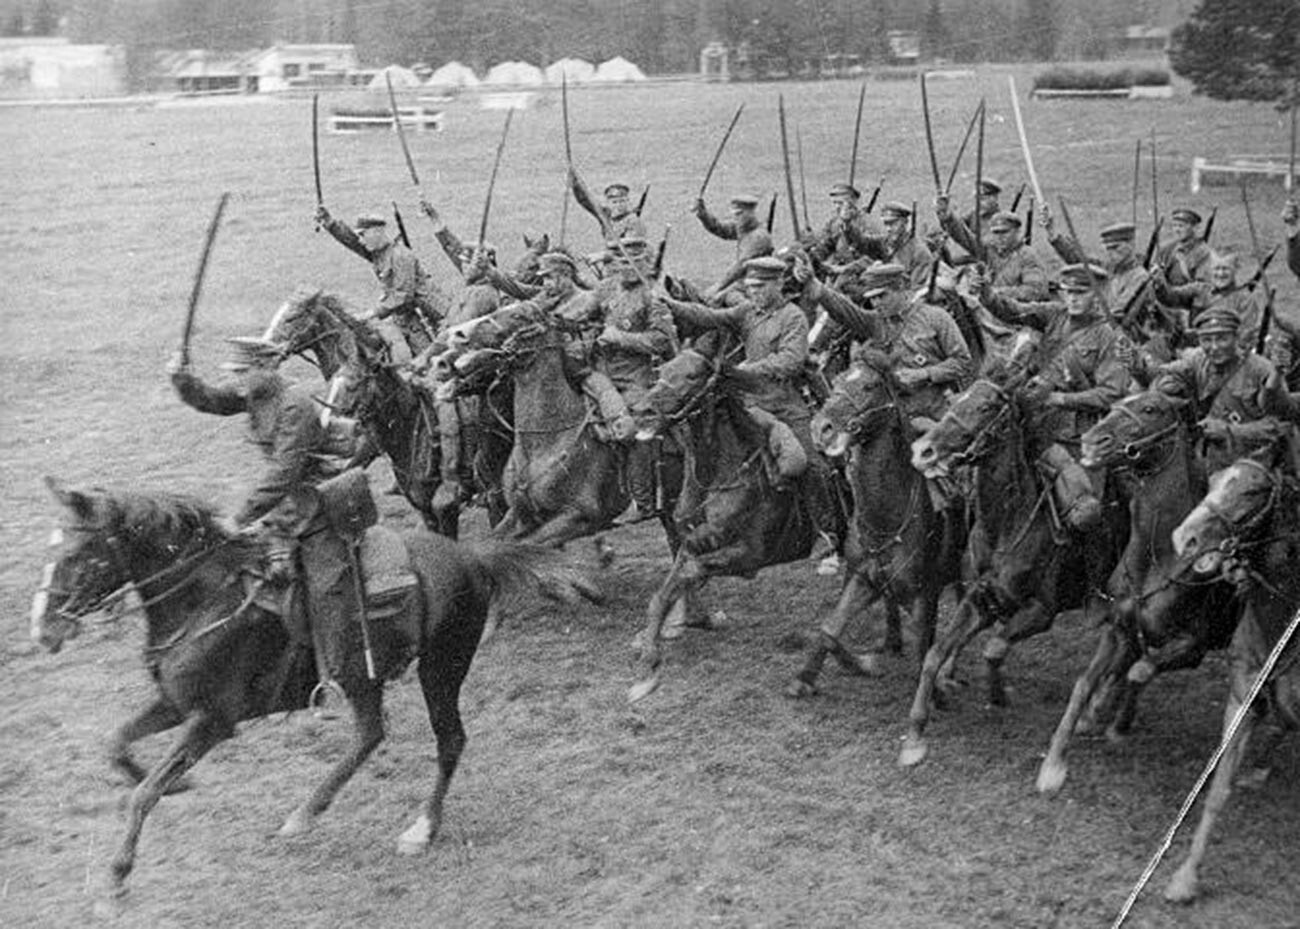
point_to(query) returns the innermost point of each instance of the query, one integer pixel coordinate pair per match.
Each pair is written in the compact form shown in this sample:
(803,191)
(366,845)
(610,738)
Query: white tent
(618,69)
(401,77)
(514,74)
(575,70)
(453,74)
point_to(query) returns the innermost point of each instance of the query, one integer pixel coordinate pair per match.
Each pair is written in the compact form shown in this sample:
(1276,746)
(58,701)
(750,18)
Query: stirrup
(327,708)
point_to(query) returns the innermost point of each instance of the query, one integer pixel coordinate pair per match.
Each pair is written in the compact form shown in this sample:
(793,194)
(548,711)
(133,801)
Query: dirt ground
(716,802)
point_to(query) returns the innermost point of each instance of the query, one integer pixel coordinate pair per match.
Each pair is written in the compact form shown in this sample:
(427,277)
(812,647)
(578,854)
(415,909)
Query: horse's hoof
(1051,777)
(643,688)
(799,689)
(914,752)
(866,664)
(299,822)
(1182,886)
(1141,672)
(416,839)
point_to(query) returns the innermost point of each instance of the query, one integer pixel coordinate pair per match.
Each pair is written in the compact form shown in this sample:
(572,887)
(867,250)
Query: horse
(1157,620)
(897,547)
(1245,531)
(1027,567)
(220,654)
(733,516)
(356,361)
(562,481)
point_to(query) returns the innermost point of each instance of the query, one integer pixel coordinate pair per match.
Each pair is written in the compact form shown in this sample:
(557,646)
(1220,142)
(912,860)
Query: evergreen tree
(1240,49)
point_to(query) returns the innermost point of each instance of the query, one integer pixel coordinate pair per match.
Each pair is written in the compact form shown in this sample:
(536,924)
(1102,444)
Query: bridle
(981,438)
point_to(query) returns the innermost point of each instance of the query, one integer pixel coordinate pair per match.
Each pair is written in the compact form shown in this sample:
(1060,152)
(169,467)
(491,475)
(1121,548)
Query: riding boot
(821,512)
(448,492)
(639,472)
(1072,488)
(613,408)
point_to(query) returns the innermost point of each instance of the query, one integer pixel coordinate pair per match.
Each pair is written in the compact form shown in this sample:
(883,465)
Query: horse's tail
(512,569)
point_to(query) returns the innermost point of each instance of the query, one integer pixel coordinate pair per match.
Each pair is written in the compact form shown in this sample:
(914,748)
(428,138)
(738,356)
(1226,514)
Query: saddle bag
(347,504)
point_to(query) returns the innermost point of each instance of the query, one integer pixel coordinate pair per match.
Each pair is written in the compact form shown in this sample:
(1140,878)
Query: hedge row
(1078,79)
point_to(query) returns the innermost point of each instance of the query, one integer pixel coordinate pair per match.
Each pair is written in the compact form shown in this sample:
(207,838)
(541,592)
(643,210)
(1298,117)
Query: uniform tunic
(841,242)
(754,242)
(910,252)
(1016,273)
(638,333)
(1184,262)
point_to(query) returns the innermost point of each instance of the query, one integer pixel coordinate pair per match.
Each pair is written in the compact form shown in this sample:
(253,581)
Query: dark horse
(219,655)
(562,480)
(733,517)
(1157,621)
(1027,567)
(1246,531)
(897,548)
(365,383)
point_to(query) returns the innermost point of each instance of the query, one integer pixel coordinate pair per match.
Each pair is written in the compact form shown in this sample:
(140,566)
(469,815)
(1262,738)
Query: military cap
(896,209)
(1187,215)
(252,352)
(1217,319)
(746,200)
(990,186)
(469,248)
(1003,220)
(370,220)
(766,268)
(617,189)
(1119,232)
(845,191)
(1080,278)
(882,276)
(552,262)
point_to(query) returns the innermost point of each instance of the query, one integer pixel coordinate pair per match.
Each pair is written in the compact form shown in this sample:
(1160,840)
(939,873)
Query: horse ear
(74,500)
(528,243)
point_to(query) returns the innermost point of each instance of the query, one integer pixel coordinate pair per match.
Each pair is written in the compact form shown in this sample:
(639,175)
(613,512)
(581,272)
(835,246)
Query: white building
(54,68)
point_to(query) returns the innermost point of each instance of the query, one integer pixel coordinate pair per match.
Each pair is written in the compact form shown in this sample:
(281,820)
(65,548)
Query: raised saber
(492,181)
(1155,180)
(1024,141)
(929,135)
(315,150)
(803,181)
(188,330)
(401,134)
(785,156)
(857,132)
(979,187)
(970,128)
(708,175)
(1290,169)
(1137,170)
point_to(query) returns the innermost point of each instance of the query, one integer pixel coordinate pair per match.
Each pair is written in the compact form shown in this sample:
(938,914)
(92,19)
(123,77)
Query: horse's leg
(856,596)
(686,574)
(443,667)
(1182,887)
(444,508)
(368,731)
(1052,772)
(198,734)
(964,627)
(158,716)
(1025,622)
(894,627)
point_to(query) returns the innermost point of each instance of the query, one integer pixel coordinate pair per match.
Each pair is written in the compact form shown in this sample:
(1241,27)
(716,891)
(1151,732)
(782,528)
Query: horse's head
(861,401)
(103,543)
(527,270)
(1234,512)
(312,320)
(1134,426)
(968,430)
(681,381)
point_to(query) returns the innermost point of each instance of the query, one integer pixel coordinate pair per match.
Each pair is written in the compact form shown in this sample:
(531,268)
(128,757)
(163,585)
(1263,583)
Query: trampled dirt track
(717,801)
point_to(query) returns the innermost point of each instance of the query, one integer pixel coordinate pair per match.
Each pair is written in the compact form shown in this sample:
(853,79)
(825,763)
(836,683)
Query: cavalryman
(616,216)
(898,245)
(1186,257)
(1239,399)
(751,237)
(839,241)
(775,338)
(410,297)
(1013,269)
(1084,371)
(285,424)
(1220,290)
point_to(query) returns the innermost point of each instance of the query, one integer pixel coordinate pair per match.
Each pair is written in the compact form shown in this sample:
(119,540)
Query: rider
(410,298)
(1186,257)
(751,237)
(616,216)
(1239,399)
(1221,290)
(898,244)
(775,338)
(1013,269)
(840,241)
(636,333)
(284,422)
(1084,371)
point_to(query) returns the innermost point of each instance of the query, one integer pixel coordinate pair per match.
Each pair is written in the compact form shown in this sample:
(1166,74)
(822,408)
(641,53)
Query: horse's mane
(164,516)
(368,340)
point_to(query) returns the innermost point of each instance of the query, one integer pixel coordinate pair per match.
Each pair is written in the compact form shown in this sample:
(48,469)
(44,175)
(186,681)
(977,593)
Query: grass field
(717,801)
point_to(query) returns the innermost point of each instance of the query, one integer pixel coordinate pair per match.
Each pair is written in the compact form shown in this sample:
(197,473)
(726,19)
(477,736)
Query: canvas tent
(574,70)
(618,69)
(401,77)
(453,74)
(514,74)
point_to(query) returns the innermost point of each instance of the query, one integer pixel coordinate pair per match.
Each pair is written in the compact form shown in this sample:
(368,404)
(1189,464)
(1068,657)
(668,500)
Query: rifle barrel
(857,131)
(789,179)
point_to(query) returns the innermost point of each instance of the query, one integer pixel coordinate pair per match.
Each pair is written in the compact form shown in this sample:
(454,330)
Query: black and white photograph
(761,464)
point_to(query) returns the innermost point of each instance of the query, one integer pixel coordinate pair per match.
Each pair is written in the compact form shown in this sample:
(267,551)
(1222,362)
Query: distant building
(1146,39)
(904,46)
(54,68)
(280,67)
